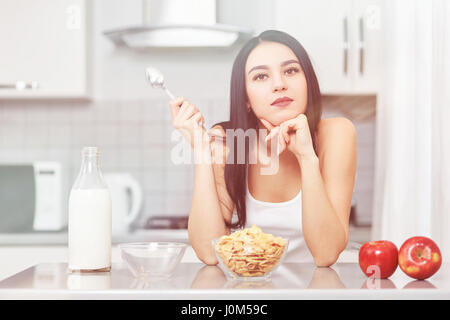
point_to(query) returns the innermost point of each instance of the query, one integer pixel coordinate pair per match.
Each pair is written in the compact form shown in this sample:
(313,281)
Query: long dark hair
(235,173)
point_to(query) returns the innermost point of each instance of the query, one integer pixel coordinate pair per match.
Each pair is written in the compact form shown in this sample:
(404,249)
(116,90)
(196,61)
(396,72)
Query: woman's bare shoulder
(334,131)
(331,126)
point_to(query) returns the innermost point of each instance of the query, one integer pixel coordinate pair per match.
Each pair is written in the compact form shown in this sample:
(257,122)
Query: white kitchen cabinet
(341,37)
(44,49)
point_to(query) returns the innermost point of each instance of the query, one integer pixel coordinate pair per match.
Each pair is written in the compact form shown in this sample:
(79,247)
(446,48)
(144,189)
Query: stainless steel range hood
(178,23)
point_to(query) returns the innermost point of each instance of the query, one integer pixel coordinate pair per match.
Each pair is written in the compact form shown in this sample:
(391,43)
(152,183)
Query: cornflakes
(250,252)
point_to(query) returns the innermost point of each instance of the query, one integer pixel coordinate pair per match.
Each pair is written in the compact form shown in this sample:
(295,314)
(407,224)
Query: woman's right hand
(188,120)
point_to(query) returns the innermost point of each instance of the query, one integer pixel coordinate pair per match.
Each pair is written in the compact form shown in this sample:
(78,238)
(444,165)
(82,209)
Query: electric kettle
(126,200)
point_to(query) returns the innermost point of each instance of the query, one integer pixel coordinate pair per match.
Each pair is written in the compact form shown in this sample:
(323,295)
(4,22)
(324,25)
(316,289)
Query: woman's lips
(282,102)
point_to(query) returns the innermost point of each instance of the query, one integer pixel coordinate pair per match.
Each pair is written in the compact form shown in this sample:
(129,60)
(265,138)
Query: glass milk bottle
(89,217)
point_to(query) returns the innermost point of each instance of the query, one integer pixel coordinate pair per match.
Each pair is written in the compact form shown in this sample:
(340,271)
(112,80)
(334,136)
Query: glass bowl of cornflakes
(250,253)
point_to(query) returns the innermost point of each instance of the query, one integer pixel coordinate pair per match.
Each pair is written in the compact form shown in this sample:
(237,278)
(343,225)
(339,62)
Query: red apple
(378,258)
(419,257)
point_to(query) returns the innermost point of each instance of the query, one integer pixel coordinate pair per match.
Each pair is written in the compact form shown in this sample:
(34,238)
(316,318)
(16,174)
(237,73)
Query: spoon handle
(217,137)
(169,93)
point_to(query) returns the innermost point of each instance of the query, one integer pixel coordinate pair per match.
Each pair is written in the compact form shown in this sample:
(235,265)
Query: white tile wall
(154,157)
(154,179)
(177,179)
(154,205)
(152,134)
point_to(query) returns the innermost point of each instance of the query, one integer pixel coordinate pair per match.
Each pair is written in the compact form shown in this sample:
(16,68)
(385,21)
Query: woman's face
(272,72)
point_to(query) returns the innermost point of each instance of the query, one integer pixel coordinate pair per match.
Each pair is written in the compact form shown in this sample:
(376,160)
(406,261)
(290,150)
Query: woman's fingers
(281,144)
(187,119)
(298,122)
(197,119)
(187,110)
(284,131)
(272,133)
(178,120)
(182,109)
(175,105)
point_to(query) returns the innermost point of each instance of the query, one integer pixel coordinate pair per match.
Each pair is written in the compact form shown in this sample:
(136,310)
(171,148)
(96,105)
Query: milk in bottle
(90,218)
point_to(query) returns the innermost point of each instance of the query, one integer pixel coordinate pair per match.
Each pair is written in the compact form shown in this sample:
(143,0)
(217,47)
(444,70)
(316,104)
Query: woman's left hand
(293,134)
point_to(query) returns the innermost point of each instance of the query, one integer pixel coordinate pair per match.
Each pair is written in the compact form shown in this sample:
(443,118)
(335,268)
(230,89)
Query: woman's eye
(260,76)
(291,71)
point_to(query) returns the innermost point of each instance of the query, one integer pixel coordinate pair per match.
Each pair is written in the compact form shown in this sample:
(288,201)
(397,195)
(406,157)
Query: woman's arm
(327,188)
(207,214)
(211,205)
(327,180)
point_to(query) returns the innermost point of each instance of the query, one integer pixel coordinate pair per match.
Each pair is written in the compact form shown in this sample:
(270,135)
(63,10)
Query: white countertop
(60,237)
(197,281)
(16,258)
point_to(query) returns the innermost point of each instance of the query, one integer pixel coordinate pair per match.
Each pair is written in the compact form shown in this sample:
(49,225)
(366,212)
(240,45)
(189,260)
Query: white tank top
(282,219)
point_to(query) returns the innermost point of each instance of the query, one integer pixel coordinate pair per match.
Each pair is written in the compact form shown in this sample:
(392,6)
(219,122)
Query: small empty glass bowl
(247,265)
(152,259)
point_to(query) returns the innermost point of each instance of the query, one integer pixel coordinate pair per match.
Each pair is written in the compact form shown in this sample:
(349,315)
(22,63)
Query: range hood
(178,23)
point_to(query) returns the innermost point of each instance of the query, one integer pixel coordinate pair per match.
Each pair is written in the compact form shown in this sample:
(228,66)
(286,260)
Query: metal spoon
(156,79)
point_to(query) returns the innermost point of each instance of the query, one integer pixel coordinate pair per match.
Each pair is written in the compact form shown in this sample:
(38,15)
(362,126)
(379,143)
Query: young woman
(308,197)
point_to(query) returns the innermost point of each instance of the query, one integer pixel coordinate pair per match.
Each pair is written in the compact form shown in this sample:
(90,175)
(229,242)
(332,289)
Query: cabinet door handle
(20,85)
(361,45)
(345,45)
